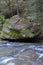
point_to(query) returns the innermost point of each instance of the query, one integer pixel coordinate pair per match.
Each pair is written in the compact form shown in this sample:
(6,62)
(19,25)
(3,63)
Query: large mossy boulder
(17,27)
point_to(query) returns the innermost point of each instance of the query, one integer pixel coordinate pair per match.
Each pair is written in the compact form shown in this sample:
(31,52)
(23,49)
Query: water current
(12,53)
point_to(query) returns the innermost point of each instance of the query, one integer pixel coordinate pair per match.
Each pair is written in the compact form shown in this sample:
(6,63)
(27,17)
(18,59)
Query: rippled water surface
(21,53)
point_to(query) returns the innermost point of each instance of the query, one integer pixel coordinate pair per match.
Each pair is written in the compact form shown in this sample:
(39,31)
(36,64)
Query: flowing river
(21,53)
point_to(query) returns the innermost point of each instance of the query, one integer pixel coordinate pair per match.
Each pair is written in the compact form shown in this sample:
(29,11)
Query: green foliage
(40,24)
(15,34)
(2,18)
(6,22)
(28,33)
